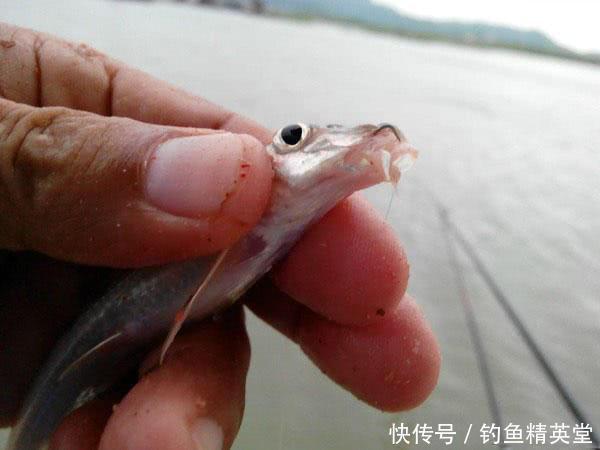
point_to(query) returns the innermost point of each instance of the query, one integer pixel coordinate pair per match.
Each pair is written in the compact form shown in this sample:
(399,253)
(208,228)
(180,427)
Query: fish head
(347,158)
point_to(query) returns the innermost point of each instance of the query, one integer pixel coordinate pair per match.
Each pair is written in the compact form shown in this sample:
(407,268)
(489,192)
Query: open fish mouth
(382,154)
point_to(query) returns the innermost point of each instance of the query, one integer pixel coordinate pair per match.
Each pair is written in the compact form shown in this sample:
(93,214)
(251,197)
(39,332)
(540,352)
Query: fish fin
(184,312)
(87,354)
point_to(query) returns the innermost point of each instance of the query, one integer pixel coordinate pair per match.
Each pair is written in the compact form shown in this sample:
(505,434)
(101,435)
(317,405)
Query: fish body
(314,169)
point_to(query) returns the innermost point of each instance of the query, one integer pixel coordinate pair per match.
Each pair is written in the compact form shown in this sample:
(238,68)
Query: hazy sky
(574,23)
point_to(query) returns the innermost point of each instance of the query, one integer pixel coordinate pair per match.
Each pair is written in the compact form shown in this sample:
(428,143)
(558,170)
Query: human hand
(102,165)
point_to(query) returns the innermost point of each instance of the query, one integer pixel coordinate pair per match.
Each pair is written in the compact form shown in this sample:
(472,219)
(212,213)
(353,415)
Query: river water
(510,143)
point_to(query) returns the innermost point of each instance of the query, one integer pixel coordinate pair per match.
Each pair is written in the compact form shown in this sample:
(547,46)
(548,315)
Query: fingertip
(215,175)
(392,365)
(250,197)
(195,400)
(204,196)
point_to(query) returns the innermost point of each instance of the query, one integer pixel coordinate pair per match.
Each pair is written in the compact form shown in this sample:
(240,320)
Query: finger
(82,429)
(118,192)
(195,400)
(41,70)
(349,267)
(392,364)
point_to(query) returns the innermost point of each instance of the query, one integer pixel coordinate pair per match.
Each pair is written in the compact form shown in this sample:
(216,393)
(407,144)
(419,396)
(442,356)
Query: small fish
(315,168)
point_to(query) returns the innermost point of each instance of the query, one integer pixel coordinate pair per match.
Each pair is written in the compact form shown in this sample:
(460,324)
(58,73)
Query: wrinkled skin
(340,294)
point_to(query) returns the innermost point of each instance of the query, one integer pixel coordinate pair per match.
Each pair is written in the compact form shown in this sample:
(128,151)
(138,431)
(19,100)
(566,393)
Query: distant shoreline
(262,8)
(435,37)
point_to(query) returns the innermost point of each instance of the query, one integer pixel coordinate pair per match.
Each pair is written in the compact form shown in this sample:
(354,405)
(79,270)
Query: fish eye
(292,134)
(289,137)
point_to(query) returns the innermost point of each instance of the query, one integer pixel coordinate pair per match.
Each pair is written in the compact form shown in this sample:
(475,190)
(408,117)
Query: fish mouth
(382,154)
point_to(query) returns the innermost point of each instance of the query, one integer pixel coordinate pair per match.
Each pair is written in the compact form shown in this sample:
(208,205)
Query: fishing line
(524,332)
(473,327)
(503,301)
(389,206)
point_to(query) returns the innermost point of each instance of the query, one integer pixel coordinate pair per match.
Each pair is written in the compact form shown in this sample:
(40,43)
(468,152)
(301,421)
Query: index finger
(41,70)
(142,97)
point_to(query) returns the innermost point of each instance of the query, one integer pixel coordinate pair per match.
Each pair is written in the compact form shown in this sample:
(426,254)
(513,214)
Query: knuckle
(39,69)
(27,150)
(19,57)
(24,130)
(73,75)
(62,169)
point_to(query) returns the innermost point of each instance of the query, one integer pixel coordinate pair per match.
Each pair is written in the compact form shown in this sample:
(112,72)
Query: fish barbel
(314,167)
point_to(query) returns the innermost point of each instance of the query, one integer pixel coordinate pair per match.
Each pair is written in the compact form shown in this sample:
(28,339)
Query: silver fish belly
(314,169)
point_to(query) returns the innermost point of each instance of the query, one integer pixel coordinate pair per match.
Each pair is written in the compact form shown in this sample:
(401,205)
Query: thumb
(117,192)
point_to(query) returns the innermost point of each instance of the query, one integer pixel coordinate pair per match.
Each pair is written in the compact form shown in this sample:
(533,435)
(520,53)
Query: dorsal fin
(184,312)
